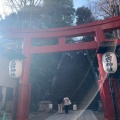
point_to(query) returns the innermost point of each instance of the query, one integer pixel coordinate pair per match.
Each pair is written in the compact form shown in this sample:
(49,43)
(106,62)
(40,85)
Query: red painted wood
(61,41)
(25,87)
(90,28)
(64,47)
(24,101)
(26,62)
(106,99)
(105,92)
(117,95)
(102,73)
(99,35)
(115,41)
(100,22)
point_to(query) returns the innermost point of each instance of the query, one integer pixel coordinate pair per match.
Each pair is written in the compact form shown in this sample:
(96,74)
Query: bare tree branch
(109,7)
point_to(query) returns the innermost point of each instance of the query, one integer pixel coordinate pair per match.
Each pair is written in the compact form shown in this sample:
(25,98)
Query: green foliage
(58,13)
(27,17)
(88,38)
(84,15)
(43,69)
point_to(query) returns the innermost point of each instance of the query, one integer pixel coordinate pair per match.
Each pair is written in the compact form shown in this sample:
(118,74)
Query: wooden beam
(64,47)
(80,30)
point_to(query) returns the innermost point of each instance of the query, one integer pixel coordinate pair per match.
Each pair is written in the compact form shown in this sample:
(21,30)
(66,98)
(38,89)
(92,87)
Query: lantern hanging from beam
(109,61)
(15,68)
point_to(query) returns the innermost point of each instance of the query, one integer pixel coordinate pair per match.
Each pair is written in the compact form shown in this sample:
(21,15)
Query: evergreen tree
(84,15)
(48,14)
(58,13)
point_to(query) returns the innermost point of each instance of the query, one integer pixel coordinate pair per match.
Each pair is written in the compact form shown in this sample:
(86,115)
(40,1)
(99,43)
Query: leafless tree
(17,5)
(28,12)
(103,9)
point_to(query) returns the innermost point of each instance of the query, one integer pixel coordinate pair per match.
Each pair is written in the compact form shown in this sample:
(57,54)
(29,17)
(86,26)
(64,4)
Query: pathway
(74,115)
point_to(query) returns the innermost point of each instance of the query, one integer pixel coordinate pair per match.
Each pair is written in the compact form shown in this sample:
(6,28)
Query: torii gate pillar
(106,95)
(104,86)
(24,85)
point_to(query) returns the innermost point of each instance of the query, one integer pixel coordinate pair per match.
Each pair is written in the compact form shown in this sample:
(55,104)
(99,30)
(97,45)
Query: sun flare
(4,9)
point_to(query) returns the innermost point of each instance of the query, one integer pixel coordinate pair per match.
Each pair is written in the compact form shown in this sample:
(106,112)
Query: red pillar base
(107,100)
(23,101)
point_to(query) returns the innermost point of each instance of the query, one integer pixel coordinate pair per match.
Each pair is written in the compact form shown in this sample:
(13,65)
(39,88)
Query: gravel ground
(44,115)
(33,116)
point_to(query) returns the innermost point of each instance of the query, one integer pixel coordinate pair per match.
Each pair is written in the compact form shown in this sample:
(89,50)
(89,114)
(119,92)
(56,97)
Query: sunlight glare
(4,9)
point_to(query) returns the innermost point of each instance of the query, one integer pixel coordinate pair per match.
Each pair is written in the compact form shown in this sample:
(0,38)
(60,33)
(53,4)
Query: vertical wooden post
(105,91)
(104,83)
(25,87)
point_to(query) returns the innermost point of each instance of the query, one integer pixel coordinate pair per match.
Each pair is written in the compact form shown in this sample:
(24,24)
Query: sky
(79,3)
(4,9)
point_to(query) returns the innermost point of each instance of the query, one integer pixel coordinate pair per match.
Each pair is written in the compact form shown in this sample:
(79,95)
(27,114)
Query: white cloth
(67,101)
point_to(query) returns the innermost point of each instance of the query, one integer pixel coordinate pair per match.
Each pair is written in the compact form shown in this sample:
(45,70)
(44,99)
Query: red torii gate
(96,28)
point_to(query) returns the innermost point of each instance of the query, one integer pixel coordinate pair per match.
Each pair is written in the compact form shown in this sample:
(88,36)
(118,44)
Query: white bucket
(74,107)
(50,106)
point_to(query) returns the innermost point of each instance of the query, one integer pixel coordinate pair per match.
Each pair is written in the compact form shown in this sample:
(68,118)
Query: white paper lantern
(109,61)
(15,68)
